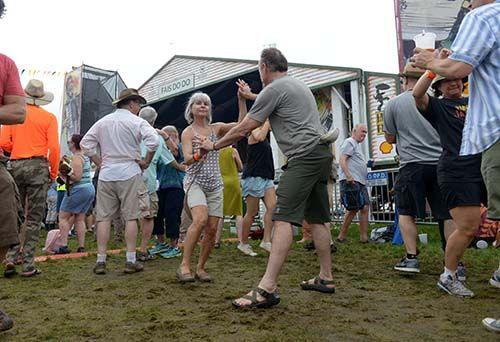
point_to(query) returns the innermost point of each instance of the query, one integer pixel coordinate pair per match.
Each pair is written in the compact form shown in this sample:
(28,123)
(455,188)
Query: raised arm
(419,92)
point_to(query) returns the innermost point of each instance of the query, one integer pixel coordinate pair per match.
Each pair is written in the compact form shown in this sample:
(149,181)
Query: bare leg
(131,235)
(306,232)
(409,232)
(147,229)
(218,229)
(363,224)
(252,209)
(64,226)
(270,203)
(449,228)
(467,219)
(282,240)
(208,243)
(80,229)
(321,236)
(103,229)
(345,225)
(200,219)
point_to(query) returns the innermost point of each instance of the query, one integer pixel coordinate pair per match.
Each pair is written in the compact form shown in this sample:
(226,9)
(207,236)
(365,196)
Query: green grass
(373,303)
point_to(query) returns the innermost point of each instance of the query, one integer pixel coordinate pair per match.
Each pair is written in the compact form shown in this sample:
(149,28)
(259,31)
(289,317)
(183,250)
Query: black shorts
(463,194)
(416,183)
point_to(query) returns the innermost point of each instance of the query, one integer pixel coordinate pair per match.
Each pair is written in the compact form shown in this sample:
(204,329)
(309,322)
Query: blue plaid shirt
(478,44)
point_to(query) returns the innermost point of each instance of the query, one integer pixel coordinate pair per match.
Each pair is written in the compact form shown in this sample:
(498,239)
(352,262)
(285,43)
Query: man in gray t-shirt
(302,192)
(293,115)
(356,163)
(352,176)
(419,150)
(418,141)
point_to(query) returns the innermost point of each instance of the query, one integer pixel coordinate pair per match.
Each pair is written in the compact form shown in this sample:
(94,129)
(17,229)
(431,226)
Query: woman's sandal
(204,277)
(270,299)
(184,277)
(31,273)
(319,285)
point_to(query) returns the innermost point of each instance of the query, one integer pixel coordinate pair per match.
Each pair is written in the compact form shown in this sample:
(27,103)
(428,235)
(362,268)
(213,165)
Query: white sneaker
(246,249)
(266,246)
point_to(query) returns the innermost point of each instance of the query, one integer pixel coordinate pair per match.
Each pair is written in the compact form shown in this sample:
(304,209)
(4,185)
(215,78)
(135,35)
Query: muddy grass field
(67,302)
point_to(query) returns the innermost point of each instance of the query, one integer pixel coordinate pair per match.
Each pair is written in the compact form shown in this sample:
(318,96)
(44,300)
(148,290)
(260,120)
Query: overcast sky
(138,37)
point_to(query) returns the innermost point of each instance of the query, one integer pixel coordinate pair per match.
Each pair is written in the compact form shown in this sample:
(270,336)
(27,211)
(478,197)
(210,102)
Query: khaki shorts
(153,207)
(490,168)
(213,200)
(9,204)
(129,198)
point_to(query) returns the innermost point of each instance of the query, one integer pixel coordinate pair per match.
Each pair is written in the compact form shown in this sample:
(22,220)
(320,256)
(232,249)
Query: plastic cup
(425,40)
(423,238)
(481,244)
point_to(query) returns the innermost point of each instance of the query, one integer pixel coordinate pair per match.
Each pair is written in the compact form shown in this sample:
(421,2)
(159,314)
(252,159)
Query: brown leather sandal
(184,277)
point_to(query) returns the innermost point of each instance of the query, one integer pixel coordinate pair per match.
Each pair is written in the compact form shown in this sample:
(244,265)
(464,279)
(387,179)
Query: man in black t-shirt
(459,177)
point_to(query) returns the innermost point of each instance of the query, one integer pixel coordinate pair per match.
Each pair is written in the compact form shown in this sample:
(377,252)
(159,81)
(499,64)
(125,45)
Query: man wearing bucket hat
(459,177)
(34,158)
(419,151)
(121,188)
(12,112)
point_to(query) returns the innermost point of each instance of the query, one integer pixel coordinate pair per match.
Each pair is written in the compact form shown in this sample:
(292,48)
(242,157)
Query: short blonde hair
(188,114)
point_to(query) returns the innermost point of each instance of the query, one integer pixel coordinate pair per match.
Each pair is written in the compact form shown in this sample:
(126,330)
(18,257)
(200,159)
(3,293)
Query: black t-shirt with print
(447,116)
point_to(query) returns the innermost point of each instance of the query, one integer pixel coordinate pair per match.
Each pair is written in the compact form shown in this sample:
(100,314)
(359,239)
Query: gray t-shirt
(417,140)
(292,112)
(356,162)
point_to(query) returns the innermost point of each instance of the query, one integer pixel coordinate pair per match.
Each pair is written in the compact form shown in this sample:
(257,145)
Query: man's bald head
(359,132)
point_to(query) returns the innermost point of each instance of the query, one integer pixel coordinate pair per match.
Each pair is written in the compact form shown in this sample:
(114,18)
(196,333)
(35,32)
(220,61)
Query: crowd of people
(180,189)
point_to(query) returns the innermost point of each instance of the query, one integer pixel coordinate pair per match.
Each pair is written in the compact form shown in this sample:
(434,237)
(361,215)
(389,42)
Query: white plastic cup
(425,40)
(423,238)
(481,244)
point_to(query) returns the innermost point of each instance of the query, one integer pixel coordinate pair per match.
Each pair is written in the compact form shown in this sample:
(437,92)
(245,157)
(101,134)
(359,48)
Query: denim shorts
(354,196)
(255,186)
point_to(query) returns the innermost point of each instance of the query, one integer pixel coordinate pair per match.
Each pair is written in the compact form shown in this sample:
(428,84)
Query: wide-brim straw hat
(36,94)
(438,78)
(129,94)
(411,71)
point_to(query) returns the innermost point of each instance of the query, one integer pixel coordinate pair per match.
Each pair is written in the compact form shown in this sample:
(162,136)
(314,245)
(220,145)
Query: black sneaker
(63,250)
(80,250)
(461,272)
(100,268)
(408,265)
(309,246)
(6,322)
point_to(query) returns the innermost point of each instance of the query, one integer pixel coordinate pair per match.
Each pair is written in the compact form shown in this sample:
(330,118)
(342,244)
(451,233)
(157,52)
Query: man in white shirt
(121,188)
